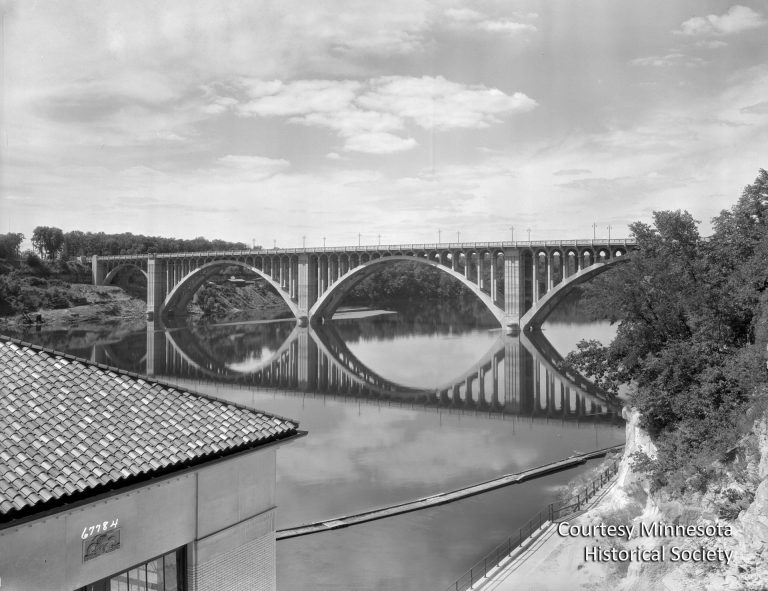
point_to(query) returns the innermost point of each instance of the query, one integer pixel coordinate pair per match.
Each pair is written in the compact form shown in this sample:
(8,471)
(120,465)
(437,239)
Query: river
(397,406)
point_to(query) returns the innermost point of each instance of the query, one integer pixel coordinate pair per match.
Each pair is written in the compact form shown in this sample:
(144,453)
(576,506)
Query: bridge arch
(205,365)
(188,285)
(331,298)
(113,272)
(534,317)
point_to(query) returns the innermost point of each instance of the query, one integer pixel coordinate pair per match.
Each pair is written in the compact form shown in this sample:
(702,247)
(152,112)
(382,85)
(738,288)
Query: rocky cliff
(724,545)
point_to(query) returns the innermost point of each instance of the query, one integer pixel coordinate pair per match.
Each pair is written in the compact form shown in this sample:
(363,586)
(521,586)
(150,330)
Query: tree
(75,244)
(49,241)
(687,310)
(10,245)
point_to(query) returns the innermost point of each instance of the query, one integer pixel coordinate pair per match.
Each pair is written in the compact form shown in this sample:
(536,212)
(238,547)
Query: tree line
(403,281)
(53,243)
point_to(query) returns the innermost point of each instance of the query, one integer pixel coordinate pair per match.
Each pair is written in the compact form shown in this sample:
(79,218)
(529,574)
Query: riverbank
(359,312)
(623,541)
(96,307)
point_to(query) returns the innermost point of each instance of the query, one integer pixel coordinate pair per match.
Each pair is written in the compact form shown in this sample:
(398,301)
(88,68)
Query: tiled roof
(69,428)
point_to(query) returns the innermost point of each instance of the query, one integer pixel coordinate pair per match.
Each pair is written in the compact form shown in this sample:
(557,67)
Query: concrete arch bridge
(518,282)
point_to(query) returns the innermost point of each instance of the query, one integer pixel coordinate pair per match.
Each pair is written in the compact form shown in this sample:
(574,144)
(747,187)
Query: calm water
(397,406)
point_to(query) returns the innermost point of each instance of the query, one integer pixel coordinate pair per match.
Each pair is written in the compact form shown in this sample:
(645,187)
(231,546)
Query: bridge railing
(550,513)
(380,247)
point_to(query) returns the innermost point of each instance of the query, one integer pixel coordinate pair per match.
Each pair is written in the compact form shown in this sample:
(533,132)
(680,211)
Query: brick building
(112,482)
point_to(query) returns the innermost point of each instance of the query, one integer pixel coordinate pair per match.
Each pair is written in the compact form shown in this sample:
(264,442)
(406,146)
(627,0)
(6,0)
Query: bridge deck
(383,247)
(443,498)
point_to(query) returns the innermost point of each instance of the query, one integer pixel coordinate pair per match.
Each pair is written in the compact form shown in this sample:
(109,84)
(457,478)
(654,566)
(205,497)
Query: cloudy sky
(407,119)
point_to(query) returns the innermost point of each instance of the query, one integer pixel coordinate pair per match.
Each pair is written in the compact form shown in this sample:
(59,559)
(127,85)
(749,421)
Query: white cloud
(760,108)
(505,26)
(369,28)
(738,19)
(571,171)
(298,98)
(469,19)
(219,105)
(464,15)
(350,121)
(711,43)
(368,115)
(378,143)
(254,164)
(437,103)
(669,60)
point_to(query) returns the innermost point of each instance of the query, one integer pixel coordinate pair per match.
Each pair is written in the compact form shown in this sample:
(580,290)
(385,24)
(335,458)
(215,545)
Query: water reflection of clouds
(403,448)
(335,451)
(422,361)
(252,362)
(361,456)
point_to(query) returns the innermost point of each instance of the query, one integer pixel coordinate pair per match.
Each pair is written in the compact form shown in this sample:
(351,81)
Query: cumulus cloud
(738,19)
(378,143)
(368,116)
(711,43)
(254,164)
(219,105)
(571,171)
(758,108)
(301,97)
(668,61)
(437,103)
(467,18)
(505,26)
(349,121)
(464,15)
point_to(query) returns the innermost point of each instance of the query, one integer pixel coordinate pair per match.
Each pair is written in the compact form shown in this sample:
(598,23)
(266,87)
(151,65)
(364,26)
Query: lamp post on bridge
(594,230)
(323,241)
(609,233)
(303,242)
(458,237)
(529,234)
(439,232)
(359,237)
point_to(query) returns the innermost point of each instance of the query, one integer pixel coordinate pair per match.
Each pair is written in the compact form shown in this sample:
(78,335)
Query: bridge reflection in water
(518,375)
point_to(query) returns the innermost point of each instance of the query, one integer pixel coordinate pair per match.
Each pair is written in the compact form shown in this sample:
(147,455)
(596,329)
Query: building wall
(240,558)
(211,509)
(232,491)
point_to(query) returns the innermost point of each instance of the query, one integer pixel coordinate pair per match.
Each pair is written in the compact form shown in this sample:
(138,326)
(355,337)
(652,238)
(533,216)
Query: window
(166,573)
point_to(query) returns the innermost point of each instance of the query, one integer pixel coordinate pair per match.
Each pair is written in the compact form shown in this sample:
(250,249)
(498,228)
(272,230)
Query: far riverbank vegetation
(41,278)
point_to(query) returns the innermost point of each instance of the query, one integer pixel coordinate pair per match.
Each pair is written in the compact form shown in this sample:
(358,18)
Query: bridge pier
(98,270)
(514,285)
(156,349)
(308,272)
(157,279)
